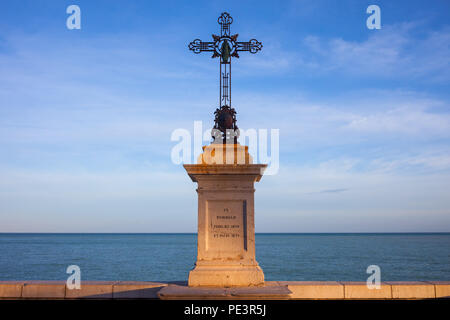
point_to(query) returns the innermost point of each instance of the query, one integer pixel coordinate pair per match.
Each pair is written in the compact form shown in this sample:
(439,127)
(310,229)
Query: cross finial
(225,20)
(225,47)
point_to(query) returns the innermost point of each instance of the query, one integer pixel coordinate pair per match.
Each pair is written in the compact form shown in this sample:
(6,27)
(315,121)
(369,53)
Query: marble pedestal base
(226,276)
(226,227)
(269,291)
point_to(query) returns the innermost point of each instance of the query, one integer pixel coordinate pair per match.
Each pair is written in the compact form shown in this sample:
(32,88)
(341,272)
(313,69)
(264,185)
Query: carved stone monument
(225,175)
(226,224)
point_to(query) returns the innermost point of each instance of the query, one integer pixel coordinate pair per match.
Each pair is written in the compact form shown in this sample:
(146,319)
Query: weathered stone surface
(219,276)
(271,292)
(44,289)
(272,283)
(219,154)
(315,289)
(359,290)
(10,289)
(174,292)
(226,227)
(442,288)
(137,290)
(412,290)
(91,290)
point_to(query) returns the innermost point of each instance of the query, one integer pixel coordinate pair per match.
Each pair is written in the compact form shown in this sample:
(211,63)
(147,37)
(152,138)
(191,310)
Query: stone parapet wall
(326,290)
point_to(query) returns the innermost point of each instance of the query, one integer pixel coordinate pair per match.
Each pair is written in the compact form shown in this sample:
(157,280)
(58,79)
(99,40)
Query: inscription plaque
(227,230)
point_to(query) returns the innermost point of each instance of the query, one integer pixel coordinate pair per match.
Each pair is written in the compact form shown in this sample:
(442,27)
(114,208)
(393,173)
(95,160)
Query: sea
(282,256)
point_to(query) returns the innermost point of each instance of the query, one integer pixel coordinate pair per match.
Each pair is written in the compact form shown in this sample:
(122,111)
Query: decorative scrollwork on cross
(198,46)
(225,47)
(253,46)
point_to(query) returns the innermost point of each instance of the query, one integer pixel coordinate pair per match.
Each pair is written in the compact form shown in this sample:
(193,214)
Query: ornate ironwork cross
(225,47)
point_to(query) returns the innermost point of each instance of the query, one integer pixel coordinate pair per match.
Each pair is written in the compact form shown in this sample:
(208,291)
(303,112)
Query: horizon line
(376,232)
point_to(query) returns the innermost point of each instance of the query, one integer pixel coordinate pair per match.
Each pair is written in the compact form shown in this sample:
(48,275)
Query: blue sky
(86,115)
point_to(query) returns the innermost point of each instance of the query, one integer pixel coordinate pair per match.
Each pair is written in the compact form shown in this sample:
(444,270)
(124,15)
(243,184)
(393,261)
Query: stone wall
(298,289)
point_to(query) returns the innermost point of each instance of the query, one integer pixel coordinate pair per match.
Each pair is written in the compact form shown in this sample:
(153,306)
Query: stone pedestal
(226,227)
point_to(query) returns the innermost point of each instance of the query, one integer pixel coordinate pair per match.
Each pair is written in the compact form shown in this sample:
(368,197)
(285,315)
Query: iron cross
(224,47)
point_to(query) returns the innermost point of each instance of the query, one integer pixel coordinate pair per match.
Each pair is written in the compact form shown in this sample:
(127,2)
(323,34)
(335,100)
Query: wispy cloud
(397,51)
(394,51)
(375,115)
(329,191)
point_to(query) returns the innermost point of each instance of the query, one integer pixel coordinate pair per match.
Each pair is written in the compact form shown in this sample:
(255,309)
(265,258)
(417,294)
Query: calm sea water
(169,257)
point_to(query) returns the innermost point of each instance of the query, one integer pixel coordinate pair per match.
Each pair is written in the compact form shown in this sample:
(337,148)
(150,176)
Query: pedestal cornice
(196,171)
